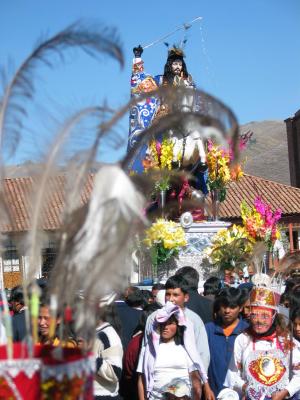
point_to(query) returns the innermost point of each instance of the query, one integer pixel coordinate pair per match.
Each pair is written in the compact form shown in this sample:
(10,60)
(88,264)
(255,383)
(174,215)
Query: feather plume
(257,260)
(95,245)
(44,189)
(289,264)
(21,87)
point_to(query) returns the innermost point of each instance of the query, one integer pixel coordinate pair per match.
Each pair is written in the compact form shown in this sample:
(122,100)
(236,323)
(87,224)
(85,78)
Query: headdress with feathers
(266,292)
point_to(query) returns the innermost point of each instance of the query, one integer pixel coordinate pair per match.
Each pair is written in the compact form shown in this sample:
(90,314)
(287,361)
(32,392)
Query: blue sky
(244,52)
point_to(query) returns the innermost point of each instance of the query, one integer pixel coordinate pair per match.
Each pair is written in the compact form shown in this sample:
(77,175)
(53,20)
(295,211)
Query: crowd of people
(174,343)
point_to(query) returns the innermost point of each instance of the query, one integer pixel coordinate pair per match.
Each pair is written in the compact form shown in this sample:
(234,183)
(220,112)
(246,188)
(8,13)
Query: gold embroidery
(267,370)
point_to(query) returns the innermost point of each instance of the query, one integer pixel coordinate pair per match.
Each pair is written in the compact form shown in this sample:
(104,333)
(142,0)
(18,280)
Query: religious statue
(187,142)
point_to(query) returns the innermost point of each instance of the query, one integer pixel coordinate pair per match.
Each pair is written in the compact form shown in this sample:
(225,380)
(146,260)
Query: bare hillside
(268,156)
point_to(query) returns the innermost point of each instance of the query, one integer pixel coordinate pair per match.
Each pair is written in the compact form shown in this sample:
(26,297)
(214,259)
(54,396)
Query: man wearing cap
(266,361)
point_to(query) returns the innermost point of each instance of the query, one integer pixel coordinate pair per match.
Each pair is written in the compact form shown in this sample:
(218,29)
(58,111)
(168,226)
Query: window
(48,257)
(10,257)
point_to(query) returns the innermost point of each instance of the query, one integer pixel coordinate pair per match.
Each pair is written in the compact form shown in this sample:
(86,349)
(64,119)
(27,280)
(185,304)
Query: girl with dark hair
(171,362)
(295,321)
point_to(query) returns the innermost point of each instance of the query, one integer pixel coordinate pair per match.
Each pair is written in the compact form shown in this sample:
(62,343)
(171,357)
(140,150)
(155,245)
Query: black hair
(191,275)
(284,297)
(212,286)
(177,281)
(109,314)
(295,313)
(178,338)
(147,295)
(148,309)
(232,297)
(246,286)
(42,283)
(168,75)
(135,297)
(290,283)
(294,297)
(17,295)
(158,286)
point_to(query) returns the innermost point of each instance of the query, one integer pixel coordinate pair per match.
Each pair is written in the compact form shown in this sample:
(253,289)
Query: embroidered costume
(264,366)
(263,363)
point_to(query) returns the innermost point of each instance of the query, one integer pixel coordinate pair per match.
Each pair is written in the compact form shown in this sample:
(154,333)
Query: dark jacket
(221,349)
(129,318)
(19,326)
(201,306)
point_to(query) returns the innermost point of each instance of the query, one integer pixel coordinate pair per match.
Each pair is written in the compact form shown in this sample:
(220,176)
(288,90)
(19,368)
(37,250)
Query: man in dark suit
(129,310)
(197,303)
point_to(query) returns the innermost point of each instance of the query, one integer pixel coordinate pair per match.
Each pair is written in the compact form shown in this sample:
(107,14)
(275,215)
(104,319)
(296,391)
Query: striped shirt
(108,352)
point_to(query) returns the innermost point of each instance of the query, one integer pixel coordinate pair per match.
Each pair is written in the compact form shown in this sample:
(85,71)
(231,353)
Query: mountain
(267,157)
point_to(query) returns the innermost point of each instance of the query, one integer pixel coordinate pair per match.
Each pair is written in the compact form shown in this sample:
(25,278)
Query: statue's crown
(176,52)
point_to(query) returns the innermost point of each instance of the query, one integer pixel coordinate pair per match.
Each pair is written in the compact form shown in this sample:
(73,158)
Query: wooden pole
(291,237)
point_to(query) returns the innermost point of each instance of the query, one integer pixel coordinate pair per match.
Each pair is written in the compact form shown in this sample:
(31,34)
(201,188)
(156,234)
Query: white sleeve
(139,367)
(233,378)
(3,338)
(294,384)
(202,343)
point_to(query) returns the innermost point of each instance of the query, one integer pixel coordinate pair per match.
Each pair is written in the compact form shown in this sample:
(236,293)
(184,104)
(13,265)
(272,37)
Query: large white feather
(95,256)
(111,184)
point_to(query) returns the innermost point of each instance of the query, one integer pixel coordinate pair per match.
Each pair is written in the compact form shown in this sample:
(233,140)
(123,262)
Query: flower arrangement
(164,238)
(220,169)
(260,222)
(160,156)
(230,248)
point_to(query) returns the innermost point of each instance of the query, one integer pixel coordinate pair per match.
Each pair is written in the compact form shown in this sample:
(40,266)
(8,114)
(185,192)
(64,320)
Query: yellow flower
(166,156)
(227,245)
(219,172)
(167,233)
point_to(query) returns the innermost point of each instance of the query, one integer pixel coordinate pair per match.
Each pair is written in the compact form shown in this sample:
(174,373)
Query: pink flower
(269,217)
(158,149)
(260,206)
(277,215)
(210,145)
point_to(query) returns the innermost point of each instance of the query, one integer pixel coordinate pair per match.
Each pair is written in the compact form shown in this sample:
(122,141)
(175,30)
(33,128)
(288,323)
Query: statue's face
(177,67)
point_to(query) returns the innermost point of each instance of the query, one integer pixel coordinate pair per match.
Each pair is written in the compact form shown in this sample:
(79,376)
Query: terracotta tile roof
(17,192)
(18,195)
(285,197)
